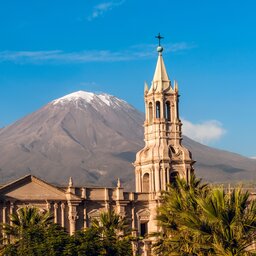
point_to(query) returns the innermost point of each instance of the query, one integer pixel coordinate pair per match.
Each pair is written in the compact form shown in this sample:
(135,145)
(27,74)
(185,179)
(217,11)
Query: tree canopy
(197,219)
(31,232)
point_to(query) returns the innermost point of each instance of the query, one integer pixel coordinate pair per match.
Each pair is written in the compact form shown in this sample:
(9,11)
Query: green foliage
(115,234)
(199,220)
(231,218)
(26,218)
(175,238)
(84,243)
(50,240)
(32,233)
(108,235)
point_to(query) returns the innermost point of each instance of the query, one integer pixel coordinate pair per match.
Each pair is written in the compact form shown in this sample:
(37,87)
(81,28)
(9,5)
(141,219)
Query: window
(167,111)
(143,216)
(158,109)
(145,183)
(173,177)
(94,214)
(143,229)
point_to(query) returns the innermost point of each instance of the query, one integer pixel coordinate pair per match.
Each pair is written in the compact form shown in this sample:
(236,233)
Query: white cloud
(205,132)
(61,56)
(253,157)
(58,56)
(27,55)
(101,8)
(177,47)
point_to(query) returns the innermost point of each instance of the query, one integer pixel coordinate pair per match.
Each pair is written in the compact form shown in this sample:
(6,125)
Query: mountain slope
(80,135)
(215,165)
(94,138)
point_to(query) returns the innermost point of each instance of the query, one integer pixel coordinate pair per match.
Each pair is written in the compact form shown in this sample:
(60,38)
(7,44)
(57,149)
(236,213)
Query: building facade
(161,160)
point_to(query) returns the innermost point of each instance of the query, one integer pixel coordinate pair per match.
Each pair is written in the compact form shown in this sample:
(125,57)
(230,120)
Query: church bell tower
(164,157)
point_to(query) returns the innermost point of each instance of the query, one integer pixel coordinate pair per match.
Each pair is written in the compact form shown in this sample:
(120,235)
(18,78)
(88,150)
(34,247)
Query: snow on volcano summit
(75,96)
(91,98)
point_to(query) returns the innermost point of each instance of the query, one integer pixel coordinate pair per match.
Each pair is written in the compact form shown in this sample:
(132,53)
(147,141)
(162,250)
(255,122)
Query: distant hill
(94,139)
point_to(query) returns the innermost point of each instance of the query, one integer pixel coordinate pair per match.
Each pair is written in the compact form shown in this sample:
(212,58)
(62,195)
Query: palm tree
(115,234)
(174,238)
(111,223)
(230,219)
(199,220)
(25,230)
(26,218)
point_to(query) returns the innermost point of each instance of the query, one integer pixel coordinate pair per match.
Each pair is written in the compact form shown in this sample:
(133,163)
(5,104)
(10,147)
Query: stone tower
(163,157)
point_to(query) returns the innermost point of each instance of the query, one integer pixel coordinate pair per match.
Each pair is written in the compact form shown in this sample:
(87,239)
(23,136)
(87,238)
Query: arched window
(177,109)
(150,112)
(167,111)
(145,183)
(158,109)
(173,177)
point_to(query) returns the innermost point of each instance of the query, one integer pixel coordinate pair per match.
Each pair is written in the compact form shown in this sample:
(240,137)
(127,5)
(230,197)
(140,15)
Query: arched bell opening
(150,112)
(174,175)
(158,109)
(167,111)
(145,183)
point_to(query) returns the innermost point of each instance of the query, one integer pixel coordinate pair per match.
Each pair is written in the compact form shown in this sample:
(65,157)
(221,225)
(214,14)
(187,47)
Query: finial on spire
(146,88)
(176,88)
(118,183)
(159,48)
(70,184)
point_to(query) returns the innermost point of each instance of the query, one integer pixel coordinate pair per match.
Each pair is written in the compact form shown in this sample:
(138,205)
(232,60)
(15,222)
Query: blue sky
(51,48)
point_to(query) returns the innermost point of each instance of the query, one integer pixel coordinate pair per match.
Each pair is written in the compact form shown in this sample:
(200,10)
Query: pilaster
(63,214)
(55,206)
(73,201)
(72,216)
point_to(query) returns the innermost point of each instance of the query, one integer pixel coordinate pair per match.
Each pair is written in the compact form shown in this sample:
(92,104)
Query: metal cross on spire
(159,37)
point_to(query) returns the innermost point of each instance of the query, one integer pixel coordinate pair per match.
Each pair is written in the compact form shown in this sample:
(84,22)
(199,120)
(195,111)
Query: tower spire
(160,80)
(160,71)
